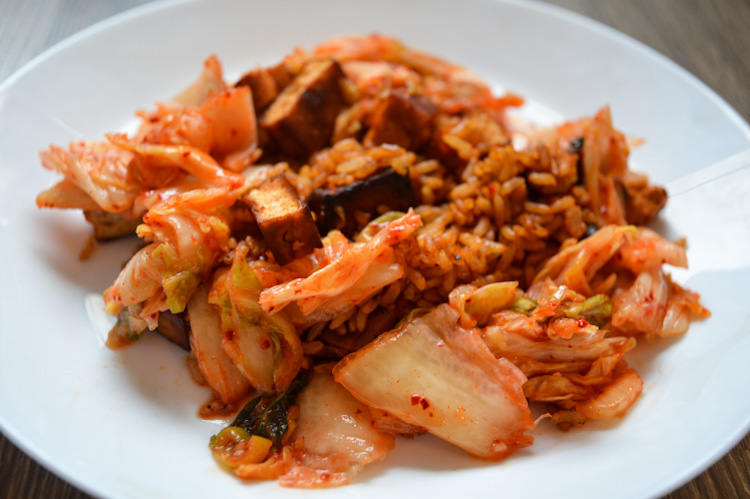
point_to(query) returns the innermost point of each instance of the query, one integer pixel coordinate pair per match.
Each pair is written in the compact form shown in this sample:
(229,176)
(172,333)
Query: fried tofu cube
(335,207)
(401,119)
(284,220)
(174,327)
(266,84)
(302,117)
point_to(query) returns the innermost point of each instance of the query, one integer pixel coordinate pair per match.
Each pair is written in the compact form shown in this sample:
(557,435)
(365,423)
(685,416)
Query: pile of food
(361,242)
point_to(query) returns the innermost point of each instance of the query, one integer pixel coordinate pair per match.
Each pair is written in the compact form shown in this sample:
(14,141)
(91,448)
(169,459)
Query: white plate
(123,424)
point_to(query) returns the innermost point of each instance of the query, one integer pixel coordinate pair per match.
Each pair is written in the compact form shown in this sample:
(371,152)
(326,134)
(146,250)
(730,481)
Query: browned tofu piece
(284,220)
(439,150)
(301,119)
(402,119)
(386,190)
(266,84)
(281,74)
(175,328)
(110,225)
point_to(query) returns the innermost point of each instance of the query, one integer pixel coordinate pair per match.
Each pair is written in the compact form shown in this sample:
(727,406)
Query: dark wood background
(709,38)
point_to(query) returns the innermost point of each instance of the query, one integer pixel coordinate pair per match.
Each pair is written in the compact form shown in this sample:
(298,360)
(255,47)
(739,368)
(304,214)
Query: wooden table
(709,38)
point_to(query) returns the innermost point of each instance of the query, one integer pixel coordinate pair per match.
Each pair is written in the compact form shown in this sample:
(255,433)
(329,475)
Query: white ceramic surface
(123,424)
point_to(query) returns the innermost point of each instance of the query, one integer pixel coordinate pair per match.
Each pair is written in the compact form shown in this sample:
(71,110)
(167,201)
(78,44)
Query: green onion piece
(491,298)
(179,288)
(265,416)
(523,305)
(597,309)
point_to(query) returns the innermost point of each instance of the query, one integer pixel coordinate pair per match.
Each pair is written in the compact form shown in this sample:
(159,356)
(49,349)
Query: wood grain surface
(709,38)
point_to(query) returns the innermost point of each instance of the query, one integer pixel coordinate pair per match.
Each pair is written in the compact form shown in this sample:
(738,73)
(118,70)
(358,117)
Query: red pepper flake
(419,400)
(582,323)
(265,345)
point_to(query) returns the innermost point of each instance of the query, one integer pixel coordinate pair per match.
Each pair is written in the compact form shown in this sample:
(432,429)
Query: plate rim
(86,484)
